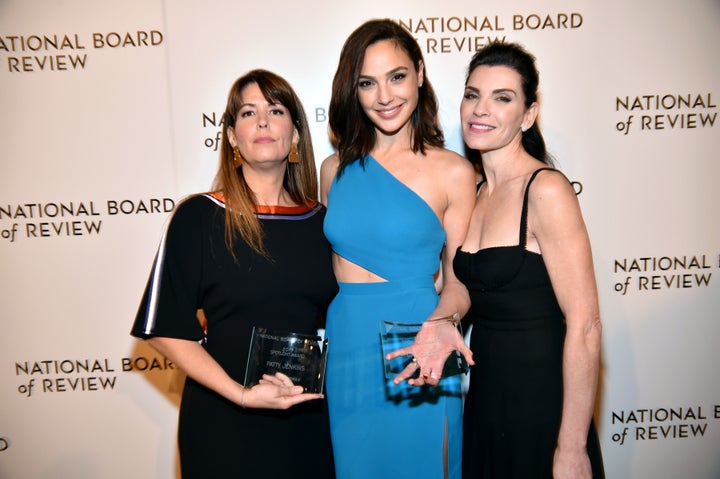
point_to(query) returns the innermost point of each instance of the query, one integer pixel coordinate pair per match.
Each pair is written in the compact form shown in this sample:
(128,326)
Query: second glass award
(399,335)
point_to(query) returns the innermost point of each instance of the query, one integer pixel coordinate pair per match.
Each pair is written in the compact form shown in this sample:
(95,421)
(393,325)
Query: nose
(385,97)
(262,120)
(480,108)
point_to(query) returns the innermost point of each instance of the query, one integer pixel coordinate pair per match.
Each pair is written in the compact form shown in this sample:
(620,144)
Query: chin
(389,129)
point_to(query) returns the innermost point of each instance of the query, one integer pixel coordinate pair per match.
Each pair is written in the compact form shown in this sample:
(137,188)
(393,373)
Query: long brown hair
(352,133)
(300,178)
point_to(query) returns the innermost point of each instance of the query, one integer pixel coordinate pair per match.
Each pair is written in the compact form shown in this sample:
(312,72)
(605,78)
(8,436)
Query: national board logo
(54,52)
(664,423)
(649,113)
(52,219)
(453,34)
(645,274)
(88,375)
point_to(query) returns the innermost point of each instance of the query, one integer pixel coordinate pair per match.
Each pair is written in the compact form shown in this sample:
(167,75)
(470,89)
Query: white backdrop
(110,115)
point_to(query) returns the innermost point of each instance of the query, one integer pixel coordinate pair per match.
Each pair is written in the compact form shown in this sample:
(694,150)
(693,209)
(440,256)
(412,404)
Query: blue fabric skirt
(380,429)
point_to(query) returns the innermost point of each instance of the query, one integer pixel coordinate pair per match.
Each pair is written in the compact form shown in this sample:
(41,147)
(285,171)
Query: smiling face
(493,109)
(263,131)
(388,86)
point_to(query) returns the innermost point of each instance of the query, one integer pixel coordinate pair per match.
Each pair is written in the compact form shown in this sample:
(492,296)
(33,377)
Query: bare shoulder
(551,185)
(451,164)
(553,206)
(445,155)
(330,165)
(328,169)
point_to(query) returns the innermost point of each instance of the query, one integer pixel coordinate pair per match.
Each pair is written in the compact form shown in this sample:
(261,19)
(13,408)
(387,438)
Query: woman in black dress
(250,253)
(534,310)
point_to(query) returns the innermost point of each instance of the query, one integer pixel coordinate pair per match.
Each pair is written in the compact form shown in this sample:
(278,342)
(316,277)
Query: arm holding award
(440,338)
(245,259)
(275,392)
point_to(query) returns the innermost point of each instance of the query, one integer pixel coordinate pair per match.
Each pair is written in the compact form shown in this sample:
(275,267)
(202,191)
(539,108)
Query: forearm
(581,364)
(453,299)
(197,363)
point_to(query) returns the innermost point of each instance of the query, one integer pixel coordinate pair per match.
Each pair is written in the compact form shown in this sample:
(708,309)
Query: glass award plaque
(399,335)
(301,357)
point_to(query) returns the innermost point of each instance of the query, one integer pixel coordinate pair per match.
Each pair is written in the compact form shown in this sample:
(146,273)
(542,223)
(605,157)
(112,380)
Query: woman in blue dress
(398,207)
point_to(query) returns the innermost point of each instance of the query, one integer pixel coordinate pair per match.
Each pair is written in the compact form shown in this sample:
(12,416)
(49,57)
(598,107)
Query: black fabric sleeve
(172,295)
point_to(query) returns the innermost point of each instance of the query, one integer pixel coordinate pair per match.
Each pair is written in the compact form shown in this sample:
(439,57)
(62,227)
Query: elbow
(593,334)
(594,326)
(584,335)
(157,343)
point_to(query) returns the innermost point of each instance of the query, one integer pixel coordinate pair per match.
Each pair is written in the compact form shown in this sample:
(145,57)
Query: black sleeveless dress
(513,407)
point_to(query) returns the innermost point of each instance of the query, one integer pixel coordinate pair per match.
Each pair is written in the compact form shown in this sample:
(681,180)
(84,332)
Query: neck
(267,186)
(401,138)
(504,163)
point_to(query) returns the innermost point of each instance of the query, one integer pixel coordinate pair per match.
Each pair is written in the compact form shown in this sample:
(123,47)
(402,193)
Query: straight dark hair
(513,55)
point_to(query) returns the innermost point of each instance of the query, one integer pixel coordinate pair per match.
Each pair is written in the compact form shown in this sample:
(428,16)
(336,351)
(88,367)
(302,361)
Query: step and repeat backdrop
(110,114)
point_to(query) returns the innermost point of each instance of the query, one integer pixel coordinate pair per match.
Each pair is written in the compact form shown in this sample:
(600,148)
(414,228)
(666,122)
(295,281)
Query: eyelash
(274,111)
(395,78)
(474,96)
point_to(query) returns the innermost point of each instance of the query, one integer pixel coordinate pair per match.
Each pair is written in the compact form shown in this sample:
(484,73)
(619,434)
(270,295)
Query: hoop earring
(237,157)
(294,156)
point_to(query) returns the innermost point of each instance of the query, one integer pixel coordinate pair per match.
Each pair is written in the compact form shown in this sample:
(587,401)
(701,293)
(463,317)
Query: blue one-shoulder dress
(380,429)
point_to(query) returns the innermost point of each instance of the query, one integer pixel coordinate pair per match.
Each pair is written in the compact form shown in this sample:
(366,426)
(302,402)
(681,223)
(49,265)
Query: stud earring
(237,157)
(523,128)
(294,156)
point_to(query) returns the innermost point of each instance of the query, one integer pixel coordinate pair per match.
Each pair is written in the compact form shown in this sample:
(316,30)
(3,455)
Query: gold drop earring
(294,156)
(237,156)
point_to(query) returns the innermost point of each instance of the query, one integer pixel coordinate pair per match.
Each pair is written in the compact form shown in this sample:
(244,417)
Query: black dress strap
(523,216)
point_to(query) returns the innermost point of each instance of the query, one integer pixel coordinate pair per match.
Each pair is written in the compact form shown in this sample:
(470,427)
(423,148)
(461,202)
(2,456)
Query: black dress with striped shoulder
(193,270)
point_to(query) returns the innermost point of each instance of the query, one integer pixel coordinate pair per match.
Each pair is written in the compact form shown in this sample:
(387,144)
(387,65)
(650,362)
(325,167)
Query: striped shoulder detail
(300,212)
(148,327)
(265,212)
(216,198)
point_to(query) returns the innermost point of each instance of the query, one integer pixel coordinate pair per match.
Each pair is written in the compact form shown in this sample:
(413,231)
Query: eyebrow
(390,73)
(254,105)
(494,92)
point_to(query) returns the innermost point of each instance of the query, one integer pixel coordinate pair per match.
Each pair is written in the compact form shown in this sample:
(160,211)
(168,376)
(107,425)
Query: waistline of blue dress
(393,286)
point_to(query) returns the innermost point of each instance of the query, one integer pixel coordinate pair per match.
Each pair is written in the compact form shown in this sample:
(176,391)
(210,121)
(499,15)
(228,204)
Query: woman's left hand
(437,339)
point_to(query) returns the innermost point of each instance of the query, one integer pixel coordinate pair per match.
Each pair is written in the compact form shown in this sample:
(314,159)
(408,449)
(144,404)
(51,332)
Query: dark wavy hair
(513,55)
(352,133)
(300,178)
